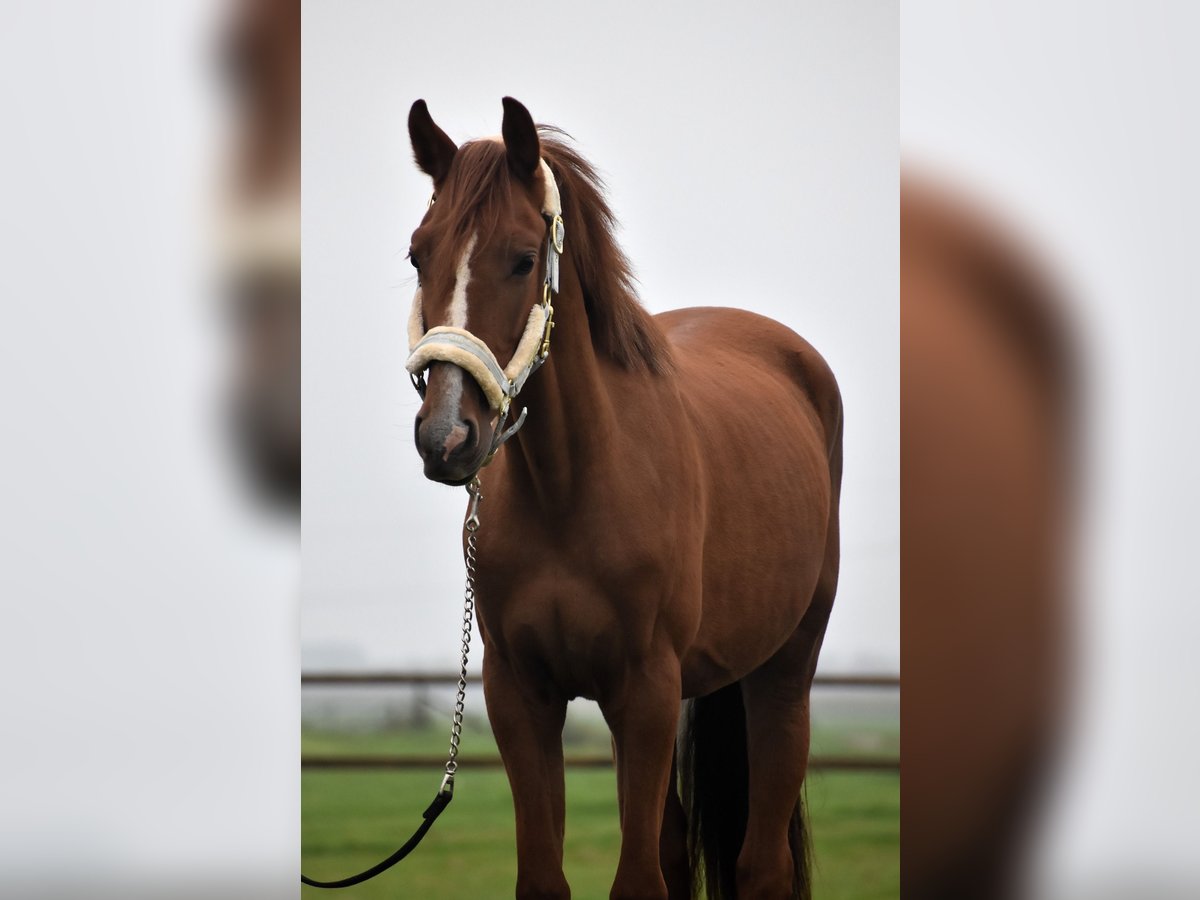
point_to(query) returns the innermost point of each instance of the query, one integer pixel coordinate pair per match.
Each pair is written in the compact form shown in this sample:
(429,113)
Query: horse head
(486,259)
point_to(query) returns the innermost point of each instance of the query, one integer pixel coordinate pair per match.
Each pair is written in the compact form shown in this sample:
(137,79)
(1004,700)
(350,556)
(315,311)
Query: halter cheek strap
(500,384)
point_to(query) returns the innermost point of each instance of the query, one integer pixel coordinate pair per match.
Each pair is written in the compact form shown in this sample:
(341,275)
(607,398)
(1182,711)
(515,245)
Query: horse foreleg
(643,715)
(672,842)
(672,845)
(527,720)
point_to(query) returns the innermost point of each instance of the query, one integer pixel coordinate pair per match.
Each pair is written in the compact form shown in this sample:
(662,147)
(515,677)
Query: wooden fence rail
(363,679)
(592,761)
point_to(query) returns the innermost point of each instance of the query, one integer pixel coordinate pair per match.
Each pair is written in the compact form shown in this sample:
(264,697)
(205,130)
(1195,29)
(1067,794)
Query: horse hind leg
(773,863)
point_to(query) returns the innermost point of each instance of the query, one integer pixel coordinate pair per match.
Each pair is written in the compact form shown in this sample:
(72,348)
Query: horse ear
(520,140)
(432,149)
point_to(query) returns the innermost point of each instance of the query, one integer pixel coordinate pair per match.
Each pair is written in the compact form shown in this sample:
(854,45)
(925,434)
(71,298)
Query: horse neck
(569,408)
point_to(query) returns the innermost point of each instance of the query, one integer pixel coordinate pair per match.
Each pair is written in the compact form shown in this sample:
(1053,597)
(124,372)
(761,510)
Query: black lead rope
(446,791)
(440,802)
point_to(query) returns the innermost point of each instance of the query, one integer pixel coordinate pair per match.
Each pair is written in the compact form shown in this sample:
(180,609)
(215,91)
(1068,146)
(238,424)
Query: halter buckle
(558,232)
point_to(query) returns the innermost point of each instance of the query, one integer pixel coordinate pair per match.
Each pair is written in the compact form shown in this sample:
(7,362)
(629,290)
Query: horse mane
(621,327)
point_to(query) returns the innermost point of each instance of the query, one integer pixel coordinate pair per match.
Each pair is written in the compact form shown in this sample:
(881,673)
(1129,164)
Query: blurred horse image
(988,399)
(260,62)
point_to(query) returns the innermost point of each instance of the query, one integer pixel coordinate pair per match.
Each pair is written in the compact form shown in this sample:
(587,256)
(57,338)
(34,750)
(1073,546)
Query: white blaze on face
(450,401)
(458,301)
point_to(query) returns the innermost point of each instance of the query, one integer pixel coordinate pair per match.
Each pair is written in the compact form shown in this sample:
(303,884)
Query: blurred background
(1048,230)
(149,649)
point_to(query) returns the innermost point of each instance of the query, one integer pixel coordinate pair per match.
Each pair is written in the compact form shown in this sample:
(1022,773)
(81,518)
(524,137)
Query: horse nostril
(459,437)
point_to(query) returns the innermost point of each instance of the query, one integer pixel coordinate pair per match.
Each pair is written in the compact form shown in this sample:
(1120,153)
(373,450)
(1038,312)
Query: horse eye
(412,259)
(524,267)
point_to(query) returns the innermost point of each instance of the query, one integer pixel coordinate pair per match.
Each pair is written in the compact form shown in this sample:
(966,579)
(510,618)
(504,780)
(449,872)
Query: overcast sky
(752,157)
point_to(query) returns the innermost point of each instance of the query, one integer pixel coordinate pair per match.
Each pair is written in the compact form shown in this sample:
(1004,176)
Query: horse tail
(801,847)
(714,786)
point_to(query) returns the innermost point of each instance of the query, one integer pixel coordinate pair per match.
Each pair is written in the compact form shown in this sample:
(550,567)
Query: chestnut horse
(663,526)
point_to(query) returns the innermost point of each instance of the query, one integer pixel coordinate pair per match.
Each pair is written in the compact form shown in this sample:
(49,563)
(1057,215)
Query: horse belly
(768,509)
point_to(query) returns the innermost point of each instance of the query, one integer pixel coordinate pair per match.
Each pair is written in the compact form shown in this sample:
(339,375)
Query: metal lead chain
(471,526)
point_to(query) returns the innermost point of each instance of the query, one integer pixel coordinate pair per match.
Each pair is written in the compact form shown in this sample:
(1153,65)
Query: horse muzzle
(460,363)
(451,425)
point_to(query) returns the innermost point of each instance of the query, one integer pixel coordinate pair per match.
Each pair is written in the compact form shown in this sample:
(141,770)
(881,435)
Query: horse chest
(563,627)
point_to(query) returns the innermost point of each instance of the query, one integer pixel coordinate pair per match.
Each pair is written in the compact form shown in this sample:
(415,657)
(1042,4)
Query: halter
(458,346)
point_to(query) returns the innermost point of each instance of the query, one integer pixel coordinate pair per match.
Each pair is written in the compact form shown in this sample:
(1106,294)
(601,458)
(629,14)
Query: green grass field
(352,819)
